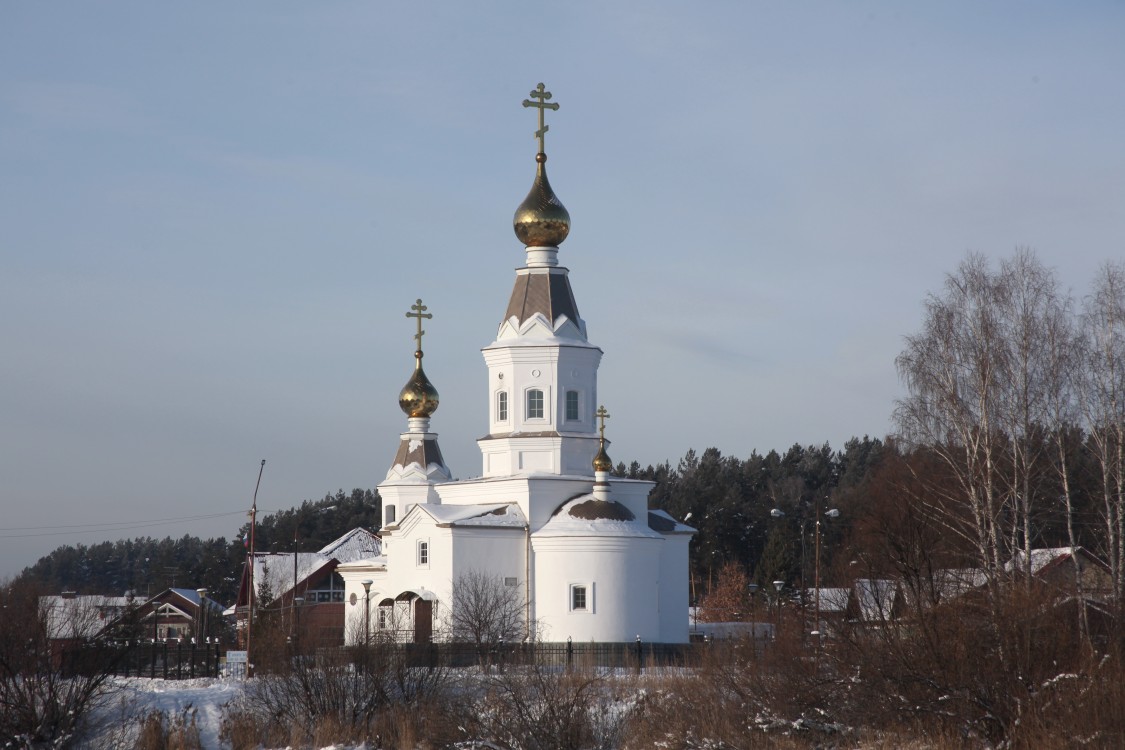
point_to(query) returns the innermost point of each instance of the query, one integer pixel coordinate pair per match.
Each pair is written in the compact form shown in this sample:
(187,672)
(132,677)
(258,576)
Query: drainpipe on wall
(527,581)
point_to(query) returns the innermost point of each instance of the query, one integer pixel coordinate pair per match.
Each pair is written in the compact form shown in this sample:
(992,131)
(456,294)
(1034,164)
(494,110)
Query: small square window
(535,404)
(578,597)
(510,581)
(423,553)
(572,406)
(502,406)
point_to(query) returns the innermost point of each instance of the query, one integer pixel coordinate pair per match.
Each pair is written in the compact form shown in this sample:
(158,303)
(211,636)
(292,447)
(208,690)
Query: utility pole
(250,573)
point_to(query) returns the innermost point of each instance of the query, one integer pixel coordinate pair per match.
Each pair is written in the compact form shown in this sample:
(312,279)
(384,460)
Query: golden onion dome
(418,397)
(541,220)
(602,461)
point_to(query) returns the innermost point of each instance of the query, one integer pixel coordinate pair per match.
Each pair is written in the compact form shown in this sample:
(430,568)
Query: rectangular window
(423,553)
(502,406)
(572,406)
(578,597)
(382,622)
(510,581)
(535,404)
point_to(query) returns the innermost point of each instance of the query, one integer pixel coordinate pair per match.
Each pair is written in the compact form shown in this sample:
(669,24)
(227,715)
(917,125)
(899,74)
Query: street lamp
(298,601)
(202,612)
(366,610)
(778,585)
(832,513)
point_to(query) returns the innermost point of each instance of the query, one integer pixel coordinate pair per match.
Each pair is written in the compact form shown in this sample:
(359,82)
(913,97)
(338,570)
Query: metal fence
(179,661)
(631,655)
(168,660)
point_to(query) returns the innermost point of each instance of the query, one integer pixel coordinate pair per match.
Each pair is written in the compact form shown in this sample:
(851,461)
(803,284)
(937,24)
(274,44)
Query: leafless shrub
(741,696)
(338,696)
(484,610)
(46,696)
(535,707)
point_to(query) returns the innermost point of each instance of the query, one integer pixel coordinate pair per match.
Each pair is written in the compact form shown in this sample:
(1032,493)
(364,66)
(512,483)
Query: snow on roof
(369,562)
(1040,558)
(562,523)
(357,544)
(275,569)
(193,596)
(662,521)
(483,514)
(875,598)
(81,616)
(831,599)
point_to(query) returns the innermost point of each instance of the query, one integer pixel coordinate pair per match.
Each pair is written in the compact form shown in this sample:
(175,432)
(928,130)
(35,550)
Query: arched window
(502,406)
(572,406)
(535,404)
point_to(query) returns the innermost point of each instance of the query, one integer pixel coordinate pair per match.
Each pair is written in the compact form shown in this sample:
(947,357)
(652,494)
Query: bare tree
(955,371)
(48,687)
(485,609)
(1028,299)
(1104,405)
(537,707)
(1064,350)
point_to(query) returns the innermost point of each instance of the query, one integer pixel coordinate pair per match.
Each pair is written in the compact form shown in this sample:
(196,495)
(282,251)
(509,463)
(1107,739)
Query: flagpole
(250,569)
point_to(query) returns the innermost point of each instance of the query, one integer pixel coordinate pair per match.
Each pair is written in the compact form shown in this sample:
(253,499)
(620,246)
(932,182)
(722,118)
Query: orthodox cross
(542,95)
(602,416)
(421,313)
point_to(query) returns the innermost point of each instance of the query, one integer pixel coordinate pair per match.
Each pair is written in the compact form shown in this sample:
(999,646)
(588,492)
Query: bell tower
(418,464)
(542,371)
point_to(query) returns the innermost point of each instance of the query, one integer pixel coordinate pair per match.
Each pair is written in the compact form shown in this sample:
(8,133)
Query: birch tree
(1104,406)
(955,370)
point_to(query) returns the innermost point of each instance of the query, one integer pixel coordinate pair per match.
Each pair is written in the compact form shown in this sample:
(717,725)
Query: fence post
(569,654)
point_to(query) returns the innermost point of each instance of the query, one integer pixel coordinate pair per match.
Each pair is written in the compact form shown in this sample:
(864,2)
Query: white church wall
(675,588)
(498,553)
(405,495)
(551,370)
(354,574)
(537,496)
(620,578)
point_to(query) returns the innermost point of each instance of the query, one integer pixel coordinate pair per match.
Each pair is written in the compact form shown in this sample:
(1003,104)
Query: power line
(105,526)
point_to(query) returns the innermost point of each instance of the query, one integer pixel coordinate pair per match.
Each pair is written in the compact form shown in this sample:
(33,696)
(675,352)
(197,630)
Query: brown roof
(421,452)
(546,293)
(601,510)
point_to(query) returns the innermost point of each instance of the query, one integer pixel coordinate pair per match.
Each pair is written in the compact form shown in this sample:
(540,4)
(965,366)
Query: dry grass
(158,731)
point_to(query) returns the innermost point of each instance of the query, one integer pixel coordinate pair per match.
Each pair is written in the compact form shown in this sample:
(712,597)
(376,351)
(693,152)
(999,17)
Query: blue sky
(212,219)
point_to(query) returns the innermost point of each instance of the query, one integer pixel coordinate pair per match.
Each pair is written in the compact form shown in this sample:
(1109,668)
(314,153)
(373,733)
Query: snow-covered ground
(200,701)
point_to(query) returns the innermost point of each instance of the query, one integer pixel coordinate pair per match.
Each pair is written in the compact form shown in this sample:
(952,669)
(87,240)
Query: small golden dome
(541,220)
(418,397)
(602,461)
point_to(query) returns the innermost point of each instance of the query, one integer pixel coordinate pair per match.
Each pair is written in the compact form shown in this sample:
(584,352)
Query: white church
(582,551)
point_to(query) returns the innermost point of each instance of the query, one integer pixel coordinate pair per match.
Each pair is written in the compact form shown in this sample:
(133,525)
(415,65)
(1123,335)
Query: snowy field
(117,724)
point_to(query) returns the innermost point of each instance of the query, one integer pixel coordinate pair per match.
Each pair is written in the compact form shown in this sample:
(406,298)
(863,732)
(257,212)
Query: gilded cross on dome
(542,95)
(420,312)
(602,416)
